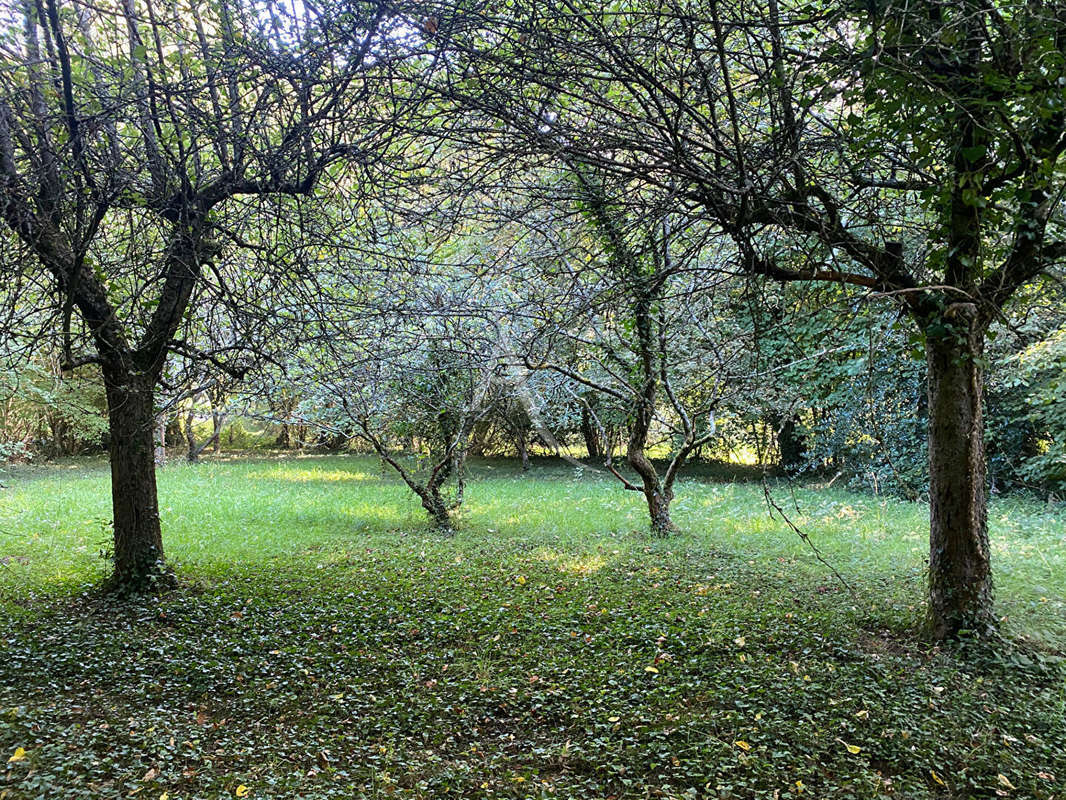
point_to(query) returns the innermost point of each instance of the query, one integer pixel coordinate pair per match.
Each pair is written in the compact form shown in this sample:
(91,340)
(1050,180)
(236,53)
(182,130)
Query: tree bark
(655,493)
(522,444)
(138,541)
(161,441)
(592,439)
(479,439)
(790,444)
(216,430)
(434,504)
(192,455)
(960,578)
(193,452)
(659,512)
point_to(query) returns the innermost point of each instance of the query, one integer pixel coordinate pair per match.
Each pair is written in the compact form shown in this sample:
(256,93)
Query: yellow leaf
(739,641)
(520,580)
(18,755)
(937,778)
(851,748)
(742,745)
(164,796)
(613,719)
(862,714)
(242,791)
(1004,781)
(651,670)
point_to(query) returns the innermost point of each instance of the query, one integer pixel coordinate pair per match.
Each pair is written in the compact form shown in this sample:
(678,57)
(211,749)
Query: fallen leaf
(937,778)
(651,670)
(742,745)
(242,791)
(18,755)
(1004,781)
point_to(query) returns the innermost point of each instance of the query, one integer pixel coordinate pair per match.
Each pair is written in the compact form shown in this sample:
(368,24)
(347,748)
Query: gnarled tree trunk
(960,577)
(656,494)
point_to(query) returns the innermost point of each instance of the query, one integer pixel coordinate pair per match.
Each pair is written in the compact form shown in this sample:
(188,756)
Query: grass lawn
(325,643)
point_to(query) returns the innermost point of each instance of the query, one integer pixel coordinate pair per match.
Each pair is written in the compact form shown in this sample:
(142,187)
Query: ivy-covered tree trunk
(437,509)
(656,495)
(960,578)
(659,511)
(138,540)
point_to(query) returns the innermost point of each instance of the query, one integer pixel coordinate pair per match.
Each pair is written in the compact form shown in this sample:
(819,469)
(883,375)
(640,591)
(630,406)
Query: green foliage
(328,645)
(43,412)
(1042,373)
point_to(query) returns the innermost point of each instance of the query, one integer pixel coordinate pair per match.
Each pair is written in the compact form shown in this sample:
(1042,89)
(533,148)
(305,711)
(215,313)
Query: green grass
(326,644)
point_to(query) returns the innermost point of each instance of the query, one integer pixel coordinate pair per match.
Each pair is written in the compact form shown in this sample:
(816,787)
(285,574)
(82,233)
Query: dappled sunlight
(311,475)
(583,564)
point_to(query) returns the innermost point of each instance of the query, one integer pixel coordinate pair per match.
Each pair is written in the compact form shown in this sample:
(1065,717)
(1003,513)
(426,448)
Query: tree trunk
(437,509)
(160,442)
(790,444)
(960,579)
(479,439)
(592,440)
(659,512)
(522,443)
(657,495)
(139,562)
(216,430)
(193,455)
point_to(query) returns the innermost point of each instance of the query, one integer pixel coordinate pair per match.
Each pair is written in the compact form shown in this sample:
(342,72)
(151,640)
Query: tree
(420,372)
(625,312)
(133,143)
